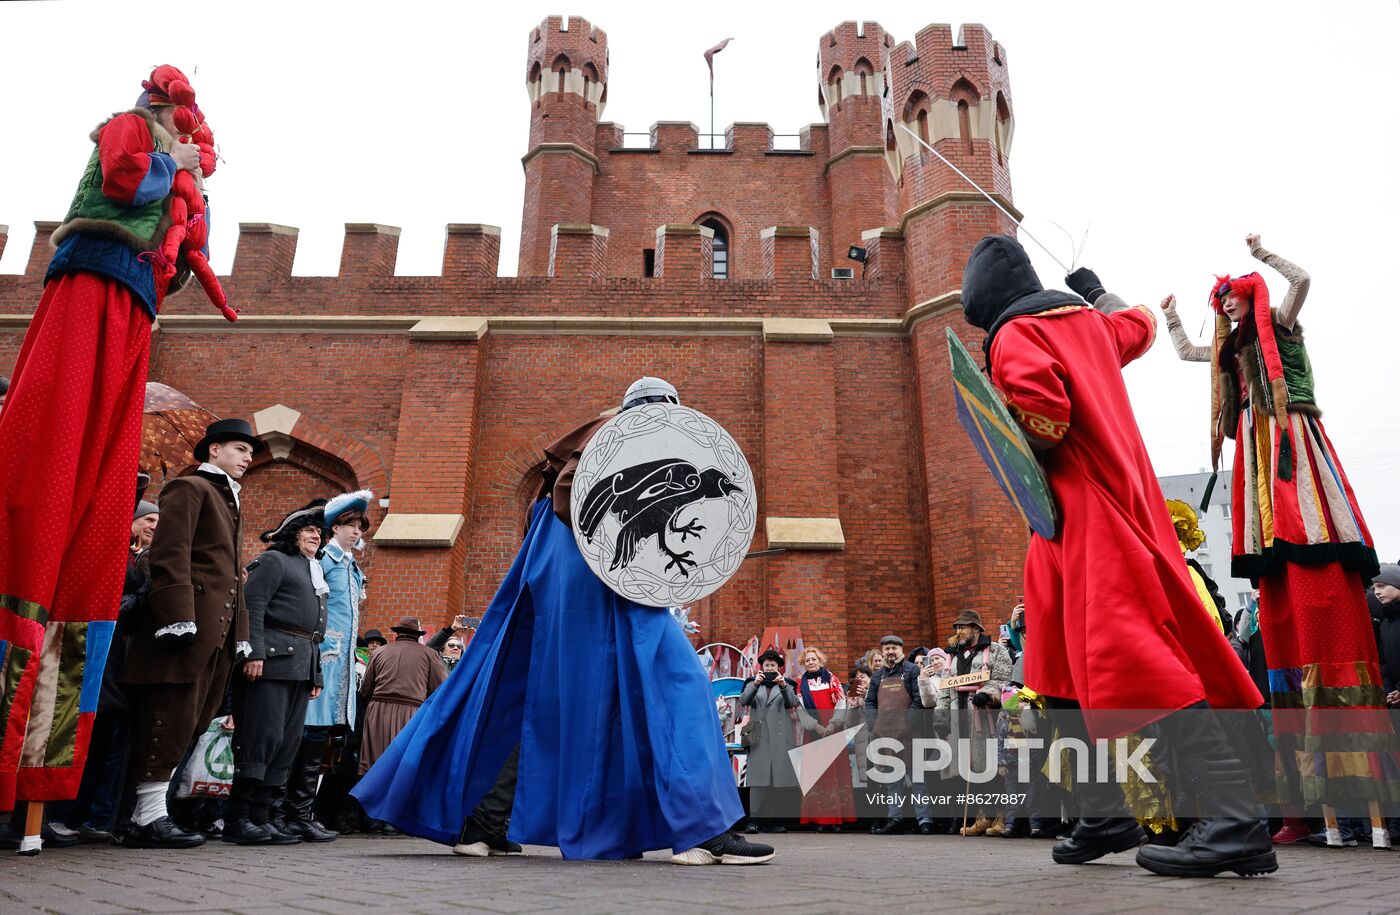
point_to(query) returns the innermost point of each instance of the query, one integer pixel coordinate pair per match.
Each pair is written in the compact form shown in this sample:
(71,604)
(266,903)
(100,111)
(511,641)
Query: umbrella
(171,426)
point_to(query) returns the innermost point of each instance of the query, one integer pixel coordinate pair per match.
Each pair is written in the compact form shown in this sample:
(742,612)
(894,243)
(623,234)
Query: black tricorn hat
(227,430)
(310,515)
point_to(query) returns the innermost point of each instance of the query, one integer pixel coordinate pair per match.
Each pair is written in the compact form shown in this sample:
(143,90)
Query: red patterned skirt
(70,435)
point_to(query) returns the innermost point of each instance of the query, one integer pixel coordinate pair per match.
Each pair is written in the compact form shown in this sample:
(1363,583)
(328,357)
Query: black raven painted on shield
(646,499)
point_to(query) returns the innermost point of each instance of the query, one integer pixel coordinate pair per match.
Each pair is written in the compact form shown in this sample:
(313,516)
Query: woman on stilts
(70,431)
(1299,533)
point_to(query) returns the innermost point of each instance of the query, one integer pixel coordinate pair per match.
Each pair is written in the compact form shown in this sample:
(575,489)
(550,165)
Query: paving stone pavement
(811,874)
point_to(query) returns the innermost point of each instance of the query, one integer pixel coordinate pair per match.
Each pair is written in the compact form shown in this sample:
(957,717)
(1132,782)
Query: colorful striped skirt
(1299,532)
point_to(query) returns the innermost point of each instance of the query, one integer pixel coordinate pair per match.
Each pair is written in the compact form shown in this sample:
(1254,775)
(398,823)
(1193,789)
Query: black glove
(1086,284)
(981,700)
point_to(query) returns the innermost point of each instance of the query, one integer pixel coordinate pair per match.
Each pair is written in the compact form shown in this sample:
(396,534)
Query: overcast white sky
(1167,130)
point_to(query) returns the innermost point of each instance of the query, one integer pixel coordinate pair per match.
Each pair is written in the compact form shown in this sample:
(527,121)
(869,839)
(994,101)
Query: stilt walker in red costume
(1112,615)
(1299,533)
(70,430)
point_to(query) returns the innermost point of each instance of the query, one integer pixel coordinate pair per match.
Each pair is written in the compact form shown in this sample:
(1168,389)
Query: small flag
(710,58)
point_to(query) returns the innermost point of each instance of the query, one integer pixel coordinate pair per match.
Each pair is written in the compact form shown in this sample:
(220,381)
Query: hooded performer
(70,432)
(1298,531)
(1109,601)
(607,746)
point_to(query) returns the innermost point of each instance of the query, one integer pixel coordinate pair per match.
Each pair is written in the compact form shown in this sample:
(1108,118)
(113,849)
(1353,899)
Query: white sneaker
(726,848)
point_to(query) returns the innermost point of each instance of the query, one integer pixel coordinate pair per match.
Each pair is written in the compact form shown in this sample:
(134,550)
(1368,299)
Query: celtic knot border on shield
(642,585)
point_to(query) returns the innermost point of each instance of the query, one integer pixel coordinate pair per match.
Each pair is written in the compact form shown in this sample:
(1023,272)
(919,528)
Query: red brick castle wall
(836,389)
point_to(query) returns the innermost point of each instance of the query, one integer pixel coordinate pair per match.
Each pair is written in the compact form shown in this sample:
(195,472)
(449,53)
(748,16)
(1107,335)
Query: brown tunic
(561,460)
(399,677)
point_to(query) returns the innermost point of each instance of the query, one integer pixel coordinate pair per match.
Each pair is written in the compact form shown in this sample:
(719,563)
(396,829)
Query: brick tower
(955,95)
(567,78)
(851,61)
(880,515)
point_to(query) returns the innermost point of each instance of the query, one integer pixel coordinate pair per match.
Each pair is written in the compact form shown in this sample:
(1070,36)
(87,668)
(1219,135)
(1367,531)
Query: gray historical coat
(769,764)
(286,617)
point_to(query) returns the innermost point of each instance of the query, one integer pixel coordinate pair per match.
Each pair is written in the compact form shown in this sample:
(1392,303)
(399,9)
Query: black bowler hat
(227,430)
(373,635)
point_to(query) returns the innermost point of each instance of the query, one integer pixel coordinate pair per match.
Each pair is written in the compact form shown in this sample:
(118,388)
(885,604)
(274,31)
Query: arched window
(1003,128)
(561,66)
(892,157)
(866,71)
(833,80)
(719,258)
(916,114)
(966,97)
(590,77)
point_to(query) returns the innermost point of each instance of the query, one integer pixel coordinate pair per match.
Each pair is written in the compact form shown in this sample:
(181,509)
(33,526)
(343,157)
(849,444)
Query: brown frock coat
(176,692)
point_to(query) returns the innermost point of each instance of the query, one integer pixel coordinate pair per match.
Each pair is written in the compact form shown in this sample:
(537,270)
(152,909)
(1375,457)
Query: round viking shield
(664,506)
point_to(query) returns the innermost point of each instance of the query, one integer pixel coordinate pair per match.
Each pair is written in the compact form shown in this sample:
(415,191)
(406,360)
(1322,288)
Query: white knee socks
(150,802)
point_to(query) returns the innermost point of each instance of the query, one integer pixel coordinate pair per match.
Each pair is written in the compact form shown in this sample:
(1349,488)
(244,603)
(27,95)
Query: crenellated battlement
(265,254)
(571,54)
(949,89)
(934,55)
(850,62)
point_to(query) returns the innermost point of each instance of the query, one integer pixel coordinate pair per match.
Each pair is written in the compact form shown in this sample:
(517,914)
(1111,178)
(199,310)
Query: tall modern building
(1214,554)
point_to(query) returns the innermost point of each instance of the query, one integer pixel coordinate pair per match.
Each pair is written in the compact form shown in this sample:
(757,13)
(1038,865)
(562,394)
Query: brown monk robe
(399,677)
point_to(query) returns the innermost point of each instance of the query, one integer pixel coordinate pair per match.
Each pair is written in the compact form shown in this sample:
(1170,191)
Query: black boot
(302,782)
(1094,837)
(1105,825)
(239,828)
(894,826)
(289,828)
(308,830)
(265,801)
(1229,837)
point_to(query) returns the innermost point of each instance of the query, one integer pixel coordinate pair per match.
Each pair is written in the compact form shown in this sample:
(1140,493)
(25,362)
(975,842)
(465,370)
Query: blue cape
(620,743)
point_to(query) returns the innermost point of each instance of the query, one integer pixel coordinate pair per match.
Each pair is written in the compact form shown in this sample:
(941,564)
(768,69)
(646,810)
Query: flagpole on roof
(710,62)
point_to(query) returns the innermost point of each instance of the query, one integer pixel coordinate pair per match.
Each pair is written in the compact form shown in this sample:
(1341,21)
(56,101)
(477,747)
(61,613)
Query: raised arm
(1298,281)
(1185,349)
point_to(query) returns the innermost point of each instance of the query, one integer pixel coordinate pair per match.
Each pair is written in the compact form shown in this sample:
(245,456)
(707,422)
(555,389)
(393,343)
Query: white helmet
(649,390)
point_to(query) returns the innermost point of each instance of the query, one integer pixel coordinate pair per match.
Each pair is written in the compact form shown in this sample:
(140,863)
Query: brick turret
(956,95)
(850,59)
(566,76)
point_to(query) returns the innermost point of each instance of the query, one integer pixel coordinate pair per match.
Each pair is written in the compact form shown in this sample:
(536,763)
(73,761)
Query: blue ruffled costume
(620,744)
